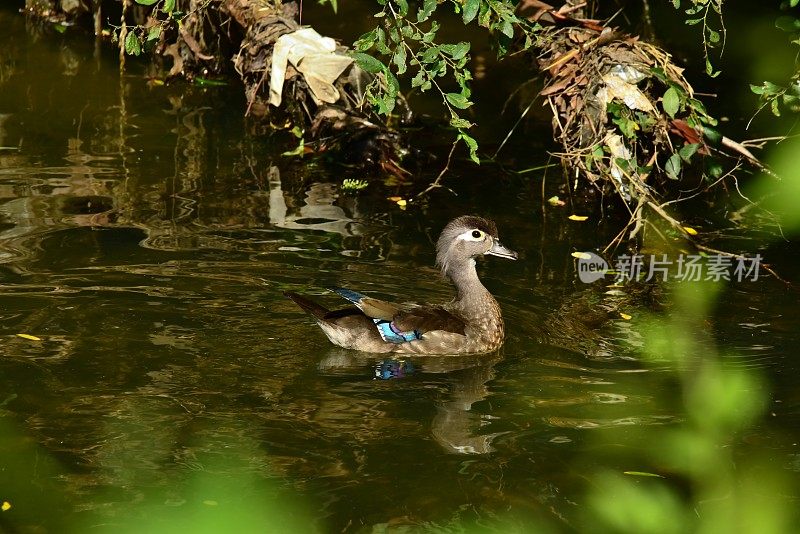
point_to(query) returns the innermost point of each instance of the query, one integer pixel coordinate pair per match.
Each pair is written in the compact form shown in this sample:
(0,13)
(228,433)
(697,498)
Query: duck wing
(400,324)
(429,318)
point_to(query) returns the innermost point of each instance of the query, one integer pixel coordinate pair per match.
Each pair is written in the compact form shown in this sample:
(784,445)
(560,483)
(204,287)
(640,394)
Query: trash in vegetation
(314,57)
(578,218)
(28,336)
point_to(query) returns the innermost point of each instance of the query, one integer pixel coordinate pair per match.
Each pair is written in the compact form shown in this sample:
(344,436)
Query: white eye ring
(472,235)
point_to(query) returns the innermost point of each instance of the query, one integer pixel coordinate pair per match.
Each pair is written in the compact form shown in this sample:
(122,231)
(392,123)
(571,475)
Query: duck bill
(499,250)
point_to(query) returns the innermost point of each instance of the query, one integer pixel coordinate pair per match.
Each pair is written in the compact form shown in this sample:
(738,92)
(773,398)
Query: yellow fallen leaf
(6,506)
(581,255)
(394,199)
(28,336)
(574,217)
(402,203)
(625,316)
(689,230)
(555,201)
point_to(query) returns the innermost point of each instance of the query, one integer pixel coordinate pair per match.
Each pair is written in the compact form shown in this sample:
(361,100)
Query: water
(146,238)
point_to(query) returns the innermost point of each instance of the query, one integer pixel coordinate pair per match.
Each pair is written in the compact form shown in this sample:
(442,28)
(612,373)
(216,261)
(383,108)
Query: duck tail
(310,307)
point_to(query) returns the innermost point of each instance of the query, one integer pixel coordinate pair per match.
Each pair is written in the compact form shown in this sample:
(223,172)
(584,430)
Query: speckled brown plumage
(471,323)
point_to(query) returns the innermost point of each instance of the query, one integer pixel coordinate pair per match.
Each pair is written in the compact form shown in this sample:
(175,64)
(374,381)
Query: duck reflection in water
(455,427)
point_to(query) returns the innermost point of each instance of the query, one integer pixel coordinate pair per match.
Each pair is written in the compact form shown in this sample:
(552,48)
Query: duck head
(465,238)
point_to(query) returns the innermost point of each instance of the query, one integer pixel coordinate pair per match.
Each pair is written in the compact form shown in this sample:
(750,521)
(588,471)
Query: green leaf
(714,168)
(380,41)
(428,7)
(154,33)
(507,29)
(169,6)
(368,63)
(673,166)
(692,22)
(146,2)
(457,100)
(366,41)
(713,36)
(430,54)
(297,151)
(687,151)
(458,122)
(392,85)
(712,136)
(658,72)
(470,10)
(132,45)
(418,79)
(671,102)
(403,6)
(774,107)
(626,126)
(676,4)
(472,144)
(710,69)
(484,15)
(456,51)
(399,59)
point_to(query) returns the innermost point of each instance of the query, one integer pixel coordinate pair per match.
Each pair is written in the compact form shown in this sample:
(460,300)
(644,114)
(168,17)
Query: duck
(471,323)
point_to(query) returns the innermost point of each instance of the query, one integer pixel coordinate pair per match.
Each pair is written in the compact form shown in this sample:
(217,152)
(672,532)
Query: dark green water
(146,237)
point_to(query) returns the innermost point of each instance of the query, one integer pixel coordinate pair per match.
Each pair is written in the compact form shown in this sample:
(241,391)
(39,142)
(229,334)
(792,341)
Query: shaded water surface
(146,238)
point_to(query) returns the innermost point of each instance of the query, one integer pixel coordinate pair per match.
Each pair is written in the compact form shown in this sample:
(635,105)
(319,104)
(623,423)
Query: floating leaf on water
(555,201)
(581,255)
(28,336)
(400,201)
(689,230)
(641,474)
(209,502)
(579,218)
(627,318)
(354,184)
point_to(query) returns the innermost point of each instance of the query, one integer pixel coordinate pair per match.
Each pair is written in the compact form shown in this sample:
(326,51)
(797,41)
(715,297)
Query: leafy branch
(408,41)
(699,12)
(136,39)
(776,96)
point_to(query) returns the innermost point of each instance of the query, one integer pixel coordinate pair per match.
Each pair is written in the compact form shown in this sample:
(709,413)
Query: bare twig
(437,183)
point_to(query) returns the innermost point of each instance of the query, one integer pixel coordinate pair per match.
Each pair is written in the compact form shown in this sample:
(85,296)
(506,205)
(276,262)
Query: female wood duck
(470,323)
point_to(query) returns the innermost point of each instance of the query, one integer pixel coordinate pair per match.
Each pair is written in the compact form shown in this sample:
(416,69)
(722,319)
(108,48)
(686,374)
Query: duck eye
(477,234)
